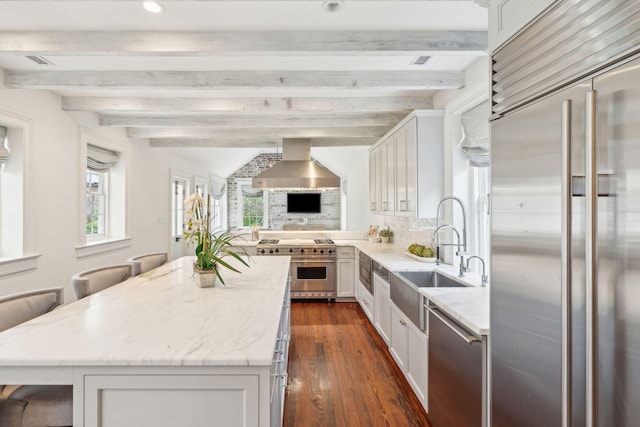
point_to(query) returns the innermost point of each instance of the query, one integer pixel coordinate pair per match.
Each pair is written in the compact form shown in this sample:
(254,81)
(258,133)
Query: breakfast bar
(157,350)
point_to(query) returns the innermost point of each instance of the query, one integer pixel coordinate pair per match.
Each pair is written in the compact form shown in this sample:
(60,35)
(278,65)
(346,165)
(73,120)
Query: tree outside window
(96,194)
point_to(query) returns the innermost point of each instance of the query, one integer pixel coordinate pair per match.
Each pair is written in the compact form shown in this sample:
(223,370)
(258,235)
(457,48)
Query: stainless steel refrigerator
(565,290)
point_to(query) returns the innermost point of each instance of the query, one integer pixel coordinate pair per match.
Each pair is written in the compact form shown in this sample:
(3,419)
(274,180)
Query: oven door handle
(312,261)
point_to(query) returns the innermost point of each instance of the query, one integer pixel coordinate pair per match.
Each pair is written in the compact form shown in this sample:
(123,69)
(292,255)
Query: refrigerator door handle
(591,297)
(565,253)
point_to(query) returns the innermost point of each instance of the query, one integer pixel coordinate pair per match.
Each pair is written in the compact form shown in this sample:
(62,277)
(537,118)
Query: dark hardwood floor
(341,373)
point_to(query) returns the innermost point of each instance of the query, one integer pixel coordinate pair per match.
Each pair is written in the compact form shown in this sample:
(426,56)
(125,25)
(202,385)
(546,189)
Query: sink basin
(430,279)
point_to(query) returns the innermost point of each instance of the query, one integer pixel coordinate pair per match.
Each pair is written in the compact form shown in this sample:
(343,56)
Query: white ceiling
(116,60)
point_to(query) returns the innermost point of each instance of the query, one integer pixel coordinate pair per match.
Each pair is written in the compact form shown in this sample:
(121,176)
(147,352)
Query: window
(252,205)
(97,198)
(17,203)
(218,188)
(100,162)
(179,194)
(103,215)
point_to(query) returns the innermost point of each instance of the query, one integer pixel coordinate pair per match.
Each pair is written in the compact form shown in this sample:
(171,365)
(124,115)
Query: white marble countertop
(160,318)
(469,306)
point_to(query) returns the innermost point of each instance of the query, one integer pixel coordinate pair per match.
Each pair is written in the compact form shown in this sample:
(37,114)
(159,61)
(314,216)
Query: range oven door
(313,278)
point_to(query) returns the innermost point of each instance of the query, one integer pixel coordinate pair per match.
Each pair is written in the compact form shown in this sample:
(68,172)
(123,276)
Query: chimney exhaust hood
(296,170)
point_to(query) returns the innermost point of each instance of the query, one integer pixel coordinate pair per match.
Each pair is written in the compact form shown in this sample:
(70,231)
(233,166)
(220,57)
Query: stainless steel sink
(430,279)
(406,296)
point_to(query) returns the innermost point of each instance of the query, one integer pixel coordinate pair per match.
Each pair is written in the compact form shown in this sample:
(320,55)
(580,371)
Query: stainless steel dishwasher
(456,373)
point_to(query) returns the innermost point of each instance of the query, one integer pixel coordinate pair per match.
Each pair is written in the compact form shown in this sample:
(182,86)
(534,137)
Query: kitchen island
(157,350)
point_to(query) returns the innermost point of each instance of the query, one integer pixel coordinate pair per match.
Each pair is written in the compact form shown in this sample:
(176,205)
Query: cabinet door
(417,371)
(390,177)
(366,301)
(161,400)
(400,142)
(410,207)
(382,318)
(399,338)
(346,277)
(373,190)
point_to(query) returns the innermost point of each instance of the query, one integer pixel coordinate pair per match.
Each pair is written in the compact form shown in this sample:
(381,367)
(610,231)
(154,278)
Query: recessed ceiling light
(333,5)
(153,6)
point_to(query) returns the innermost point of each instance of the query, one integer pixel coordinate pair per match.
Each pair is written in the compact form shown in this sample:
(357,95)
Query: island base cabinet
(409,349)
(171,400)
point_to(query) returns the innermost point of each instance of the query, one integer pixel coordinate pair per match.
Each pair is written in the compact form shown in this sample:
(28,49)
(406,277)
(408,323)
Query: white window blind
(250,192)
(4,152)
(218,188)
(100,159)
(475,136)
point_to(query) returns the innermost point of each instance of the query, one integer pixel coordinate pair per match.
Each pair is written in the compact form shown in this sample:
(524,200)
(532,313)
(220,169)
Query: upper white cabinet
(388,177)
(410,175)
(507,17)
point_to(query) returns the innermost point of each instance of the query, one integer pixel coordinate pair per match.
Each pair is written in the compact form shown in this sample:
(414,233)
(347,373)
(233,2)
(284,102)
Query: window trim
(87,246)
(28,260)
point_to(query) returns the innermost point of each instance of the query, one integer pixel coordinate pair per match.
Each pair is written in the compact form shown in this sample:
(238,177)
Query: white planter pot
(206,278)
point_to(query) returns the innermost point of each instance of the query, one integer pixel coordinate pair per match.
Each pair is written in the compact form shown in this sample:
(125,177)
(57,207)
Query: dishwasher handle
(466,336)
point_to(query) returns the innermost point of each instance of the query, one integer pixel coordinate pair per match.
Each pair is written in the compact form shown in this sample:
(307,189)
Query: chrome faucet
(485,278)
(464,219)
(436,239)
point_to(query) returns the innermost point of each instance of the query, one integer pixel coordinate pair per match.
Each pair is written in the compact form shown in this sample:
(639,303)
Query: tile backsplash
(408,230)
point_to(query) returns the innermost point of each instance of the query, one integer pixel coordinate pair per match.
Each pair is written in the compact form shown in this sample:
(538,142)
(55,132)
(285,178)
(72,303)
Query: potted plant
(211,248)
(385,235)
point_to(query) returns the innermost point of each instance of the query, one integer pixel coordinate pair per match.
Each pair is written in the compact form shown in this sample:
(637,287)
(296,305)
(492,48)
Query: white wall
(352,165)
(56,181)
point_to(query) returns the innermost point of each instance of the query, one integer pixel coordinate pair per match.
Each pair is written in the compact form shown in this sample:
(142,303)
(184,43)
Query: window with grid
(252,205)
(103,192)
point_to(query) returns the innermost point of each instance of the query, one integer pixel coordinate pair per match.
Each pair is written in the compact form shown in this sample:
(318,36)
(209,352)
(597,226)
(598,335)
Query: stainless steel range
(313,265)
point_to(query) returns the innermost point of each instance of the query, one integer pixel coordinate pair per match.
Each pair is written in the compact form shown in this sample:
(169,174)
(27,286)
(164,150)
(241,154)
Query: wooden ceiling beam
(275,134)
(291,106)
(249,121)
(255,142)
(221,80)
(175,43)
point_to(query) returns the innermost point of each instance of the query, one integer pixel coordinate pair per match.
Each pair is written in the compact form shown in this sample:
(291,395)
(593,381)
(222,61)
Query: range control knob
(277,250)
(270,251)
(262,251)
(321,251)
(290,250)
(315,250)
(302,251)
(330,251)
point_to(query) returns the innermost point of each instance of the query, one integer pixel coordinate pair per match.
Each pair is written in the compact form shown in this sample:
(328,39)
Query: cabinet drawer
(345,252)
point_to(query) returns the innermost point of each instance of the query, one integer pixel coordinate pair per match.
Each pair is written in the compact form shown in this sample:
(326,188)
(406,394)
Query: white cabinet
(366,301)
(382,307)
(409,350)
(411,173)
(417,370)
(388,177)
(346,272)
(507,17)
(376,179)
(399,347)
(157,400)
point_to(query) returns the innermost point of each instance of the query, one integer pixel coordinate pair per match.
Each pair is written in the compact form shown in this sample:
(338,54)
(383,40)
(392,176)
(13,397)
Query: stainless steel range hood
(296,170)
